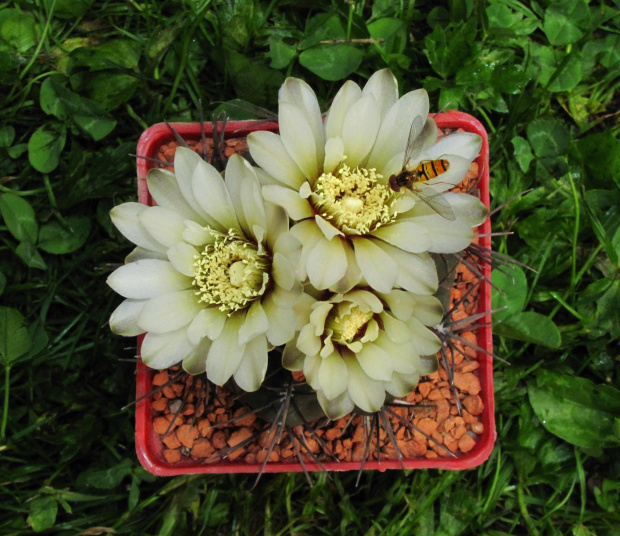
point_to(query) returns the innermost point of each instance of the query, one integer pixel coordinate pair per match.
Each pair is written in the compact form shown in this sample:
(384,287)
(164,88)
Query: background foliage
(81,79)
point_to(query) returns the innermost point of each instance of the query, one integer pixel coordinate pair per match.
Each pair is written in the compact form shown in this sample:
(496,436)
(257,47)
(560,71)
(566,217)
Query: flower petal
(299,93)
(225,353)
(169,312)
(353,274)
(124,319)
(196,362)
(334,154)
(375,362)
(428,310)
(299,140)
(328,230)
(426,342)
(406,235)
(395,127)
(464,144)
(281,322)
(165,191)
(402,384)
(126,218)
(185,163)
(333,376)
(269,153)
(401,303)
(182,257)
(384,87)
(327,263)
(296,207)
(163,225)
(292,357)
(346,97)
(336,408)
(395,329)
(209,322)
(163,350)
(359,130)
(147,278)
(379,270)
(366,393)
(308,342)
(140,253)
(256,323)
(253,366)
(211,193)
(416,271)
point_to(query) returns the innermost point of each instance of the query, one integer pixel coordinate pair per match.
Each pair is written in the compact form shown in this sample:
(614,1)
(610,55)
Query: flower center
(347,322)
(354,200)
(230,272)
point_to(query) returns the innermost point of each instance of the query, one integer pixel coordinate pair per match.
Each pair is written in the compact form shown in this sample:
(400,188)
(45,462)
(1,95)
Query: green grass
(79,81)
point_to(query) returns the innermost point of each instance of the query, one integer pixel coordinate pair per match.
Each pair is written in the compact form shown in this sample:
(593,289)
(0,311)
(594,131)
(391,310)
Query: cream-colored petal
(277,224)
(124,319)
(379,270)
(384,87)
(308,235)
(395,329)
(269,153)
(126,218)
(395,127)
(333,376)
(147,278)
(284,272)
(163,350)
(464,144)
(319,313)
(353,275)
(467,208)
(185,163)
(225,353)
(428,310)
(253,366)
(426,342)
(375,362)
(445,236)
(416,271)
(303,309)
(328,230)
(366,301)
(140,253)
(196,234)
(308,342)
(348,95)
(196,362)
(296,207)
(281,322)
(401,303)
(299,93)
(336,408)
(163,225)
(169,312)
(334,154)
(256,323)
(300,141)
(165,191)
(403,356)
(402,384)
(312,363)
(209,322)
(327,263)
(212,195)
(285,298)
(182,257)
(292,357)
(406,235)
(366,393)
(359,130)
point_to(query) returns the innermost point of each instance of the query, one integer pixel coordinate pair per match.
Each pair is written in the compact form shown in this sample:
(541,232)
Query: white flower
(332,178)
(360,345)
(213,279)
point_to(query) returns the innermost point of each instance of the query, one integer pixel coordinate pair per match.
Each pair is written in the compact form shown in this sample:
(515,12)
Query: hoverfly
(414,178)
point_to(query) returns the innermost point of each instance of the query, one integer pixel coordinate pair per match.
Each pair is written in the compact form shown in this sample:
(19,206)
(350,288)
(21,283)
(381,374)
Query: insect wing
(414,141)
(434,200)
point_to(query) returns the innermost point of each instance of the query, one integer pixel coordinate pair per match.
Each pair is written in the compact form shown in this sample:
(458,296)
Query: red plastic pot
(149,446)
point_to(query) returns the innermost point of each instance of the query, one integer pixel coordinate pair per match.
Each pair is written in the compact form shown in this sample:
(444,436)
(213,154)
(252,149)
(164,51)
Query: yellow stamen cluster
(230,272)
(347,322)
(354,200)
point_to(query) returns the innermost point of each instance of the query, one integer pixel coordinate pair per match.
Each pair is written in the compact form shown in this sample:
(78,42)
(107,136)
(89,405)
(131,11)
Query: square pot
(149,445)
